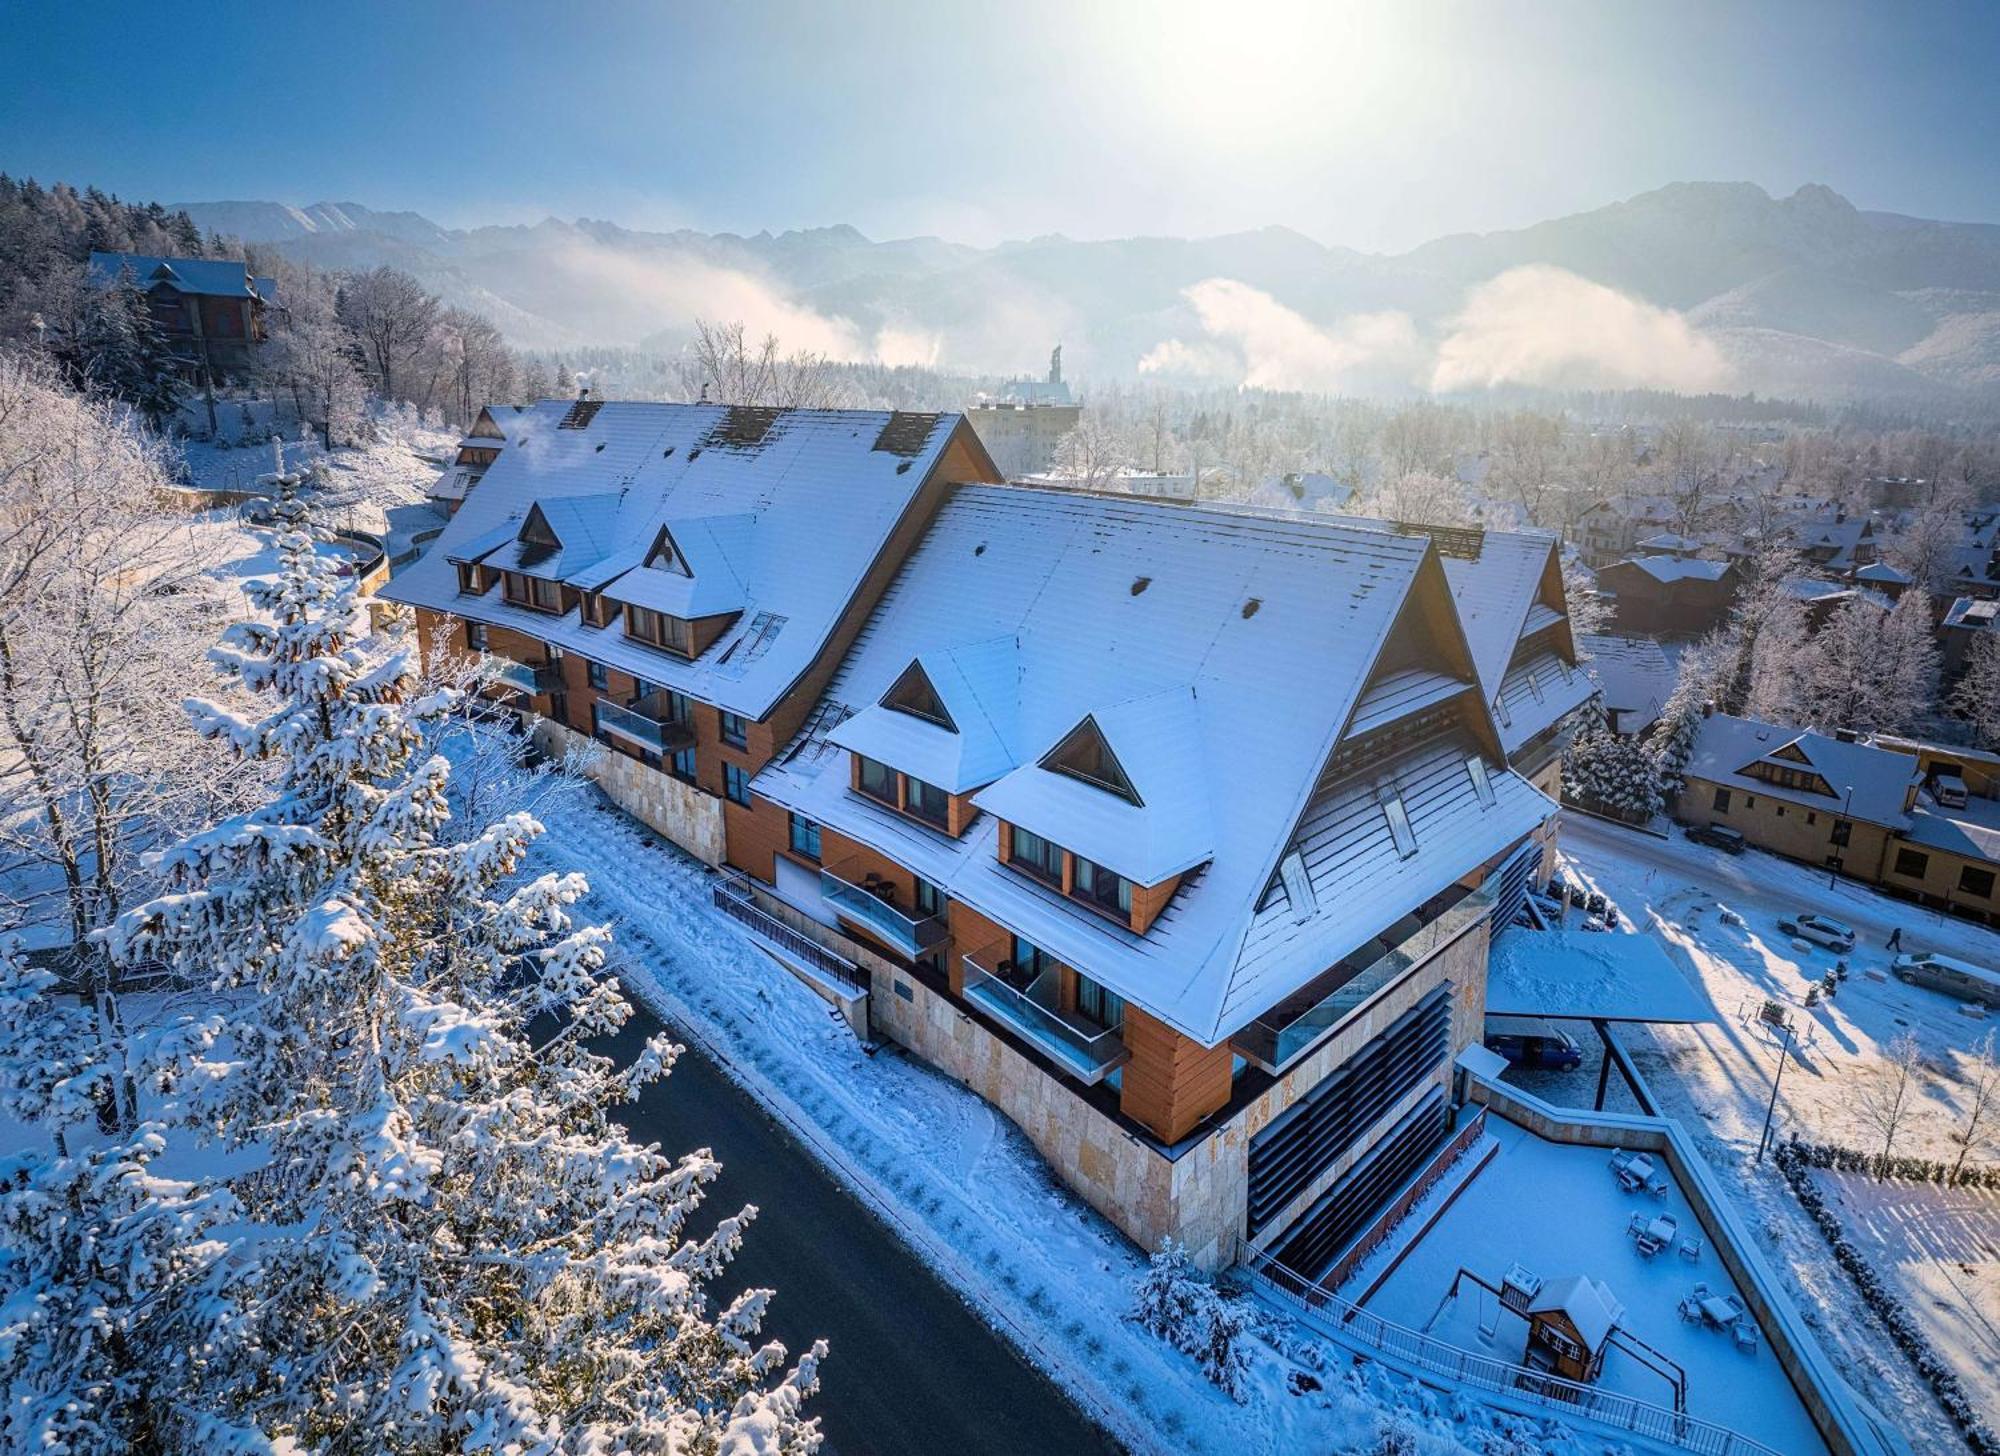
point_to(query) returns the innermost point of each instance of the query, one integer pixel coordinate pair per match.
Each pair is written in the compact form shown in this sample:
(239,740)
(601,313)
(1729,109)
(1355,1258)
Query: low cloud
(1539,325)
(1536,325)
(1262,344)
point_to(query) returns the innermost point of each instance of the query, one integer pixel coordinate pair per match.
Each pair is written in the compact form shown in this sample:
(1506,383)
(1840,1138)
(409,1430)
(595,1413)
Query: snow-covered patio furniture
(1744,1332)
(1691,1249)
(1658,1234)
(1721,1311)
(1632,1170)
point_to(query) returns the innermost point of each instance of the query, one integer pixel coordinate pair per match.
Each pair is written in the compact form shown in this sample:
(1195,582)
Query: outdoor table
(1635,1173)
(1719,1311)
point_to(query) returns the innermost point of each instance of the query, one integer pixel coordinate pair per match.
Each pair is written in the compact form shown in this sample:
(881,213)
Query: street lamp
(1843,830)
(1784,1047)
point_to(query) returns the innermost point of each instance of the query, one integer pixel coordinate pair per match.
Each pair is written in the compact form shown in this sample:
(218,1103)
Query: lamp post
(1844,826)
(1770,1111)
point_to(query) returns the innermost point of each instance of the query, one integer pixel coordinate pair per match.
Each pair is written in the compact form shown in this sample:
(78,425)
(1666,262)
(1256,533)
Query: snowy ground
(1941,1248)
(1717,915)
(964,1186)
(1493,1224)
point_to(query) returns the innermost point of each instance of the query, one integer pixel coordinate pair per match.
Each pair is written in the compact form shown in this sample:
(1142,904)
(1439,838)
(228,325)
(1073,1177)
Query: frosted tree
(1175,1302)
(1774,689)
(1589,613)
(1094,454)
(1604,771)
(1842,675)
(448,1241)
(1888,1100)
(1977,697)
(1981,1084)
(1419,497)
(1908,663)
(1697,685)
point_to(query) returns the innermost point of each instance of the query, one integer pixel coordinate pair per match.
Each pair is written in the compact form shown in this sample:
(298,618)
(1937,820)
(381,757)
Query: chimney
(1846,735)
(583,391)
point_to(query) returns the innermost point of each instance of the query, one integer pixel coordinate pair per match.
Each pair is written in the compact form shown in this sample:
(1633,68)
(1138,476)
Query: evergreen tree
(124,354)
(429,1233)
(1603,771)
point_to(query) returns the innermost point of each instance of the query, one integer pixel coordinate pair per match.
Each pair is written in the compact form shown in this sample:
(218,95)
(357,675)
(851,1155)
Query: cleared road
(912,1370)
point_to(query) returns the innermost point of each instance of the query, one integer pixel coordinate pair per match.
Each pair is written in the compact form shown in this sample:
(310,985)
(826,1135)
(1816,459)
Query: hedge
(1796,1160)
(1837,1159)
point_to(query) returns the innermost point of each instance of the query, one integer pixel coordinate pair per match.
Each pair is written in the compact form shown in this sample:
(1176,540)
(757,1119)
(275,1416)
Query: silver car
(1820,931)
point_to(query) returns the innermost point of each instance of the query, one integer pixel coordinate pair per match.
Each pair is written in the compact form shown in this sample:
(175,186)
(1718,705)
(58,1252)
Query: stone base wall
(676,811)
(1200,1199)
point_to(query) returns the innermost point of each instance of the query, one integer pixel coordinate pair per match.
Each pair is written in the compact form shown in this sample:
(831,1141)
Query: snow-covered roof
(1493,593)
(1973,613)
(1669,541)
(1592,1310)
(979,687)
(1218,653)
(1812,589)
(1633,675)
(1589,975)
(1971,830)
(217,277)
(1539,689)
(1725,746)
(777,514)
(1674,568)
(1883,573)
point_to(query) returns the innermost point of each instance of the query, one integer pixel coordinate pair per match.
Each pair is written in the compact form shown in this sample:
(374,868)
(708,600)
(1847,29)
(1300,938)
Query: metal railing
(532,678)
(1031,1007)
(735,902)
(662,735)
(1282,1034)
(868,901)
(1350,1325)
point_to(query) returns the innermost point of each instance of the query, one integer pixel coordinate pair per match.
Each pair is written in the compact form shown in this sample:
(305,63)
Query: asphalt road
(911,1368)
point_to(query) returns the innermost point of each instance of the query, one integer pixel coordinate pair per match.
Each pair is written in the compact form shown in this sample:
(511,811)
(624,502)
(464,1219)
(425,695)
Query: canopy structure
(1582,975)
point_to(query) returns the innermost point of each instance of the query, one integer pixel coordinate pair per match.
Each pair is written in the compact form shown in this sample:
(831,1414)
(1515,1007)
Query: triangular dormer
(666,555)
(537,537)
(1792,751)
(914,694)
(1084,754)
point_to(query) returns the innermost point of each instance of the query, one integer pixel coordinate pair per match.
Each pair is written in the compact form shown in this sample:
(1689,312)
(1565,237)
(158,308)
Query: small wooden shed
(1570,1321)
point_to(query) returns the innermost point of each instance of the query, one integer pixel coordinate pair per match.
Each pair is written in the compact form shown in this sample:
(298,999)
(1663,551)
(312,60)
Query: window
(1109,892)
(1843,831)
(736,784)
(1912,862)
(912,693)
(1098,1005)
(878,780)
(1029,960)
(1749,801)
(1722,801)
(1390,797)
(657,629)
(927,801)
(1482,786)
(472,580)
(805,837)
(1085,755)
(596,611)
(1781,811)
(533,592)
(598,677)
(681,765)
(735,729)
(1034,854)
(475,636)
(930,899)
(1976,882)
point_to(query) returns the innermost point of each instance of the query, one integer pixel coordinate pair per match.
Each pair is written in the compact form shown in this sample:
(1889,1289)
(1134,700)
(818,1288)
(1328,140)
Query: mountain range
(1695,285)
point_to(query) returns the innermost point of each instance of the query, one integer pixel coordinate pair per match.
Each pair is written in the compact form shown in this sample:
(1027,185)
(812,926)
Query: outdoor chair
(1658,1187)
(1744,1332)
(1635,1225)
(1700,1289)
(1690,1249)
(1690,1310)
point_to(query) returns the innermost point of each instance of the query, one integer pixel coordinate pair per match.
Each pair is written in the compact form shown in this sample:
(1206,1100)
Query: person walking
(1896,939)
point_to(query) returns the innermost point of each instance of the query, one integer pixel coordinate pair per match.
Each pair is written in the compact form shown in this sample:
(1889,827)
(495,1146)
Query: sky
(1371,126)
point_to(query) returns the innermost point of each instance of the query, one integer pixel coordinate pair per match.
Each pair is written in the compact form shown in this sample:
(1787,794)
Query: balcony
(862,896)
(1284,1033)
(637,726)
(530,679)
(1029,1005)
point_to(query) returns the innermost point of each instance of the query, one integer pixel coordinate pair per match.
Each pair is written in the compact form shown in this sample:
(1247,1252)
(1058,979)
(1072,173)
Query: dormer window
(1029,851)
(657,629)
(877,780)
(597,609)
(1084,754)
(666,555)
(927,802)
(473,579)
(537,594)
(913,694)
(1102,889)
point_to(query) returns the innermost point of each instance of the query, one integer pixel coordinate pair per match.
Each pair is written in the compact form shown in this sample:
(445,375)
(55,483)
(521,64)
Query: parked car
(1718,836)
(1949,975)
(1819,930)
(1596,903)
(1548,1051)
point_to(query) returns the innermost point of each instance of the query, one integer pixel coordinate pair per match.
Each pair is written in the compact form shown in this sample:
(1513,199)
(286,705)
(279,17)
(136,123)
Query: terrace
(1029,1003)
(645,725)
(862,896)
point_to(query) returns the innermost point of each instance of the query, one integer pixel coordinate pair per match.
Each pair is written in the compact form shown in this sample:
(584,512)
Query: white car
(1819,930)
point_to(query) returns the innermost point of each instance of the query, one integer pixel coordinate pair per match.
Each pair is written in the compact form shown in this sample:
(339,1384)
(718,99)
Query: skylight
(1390,797)
(1482,784)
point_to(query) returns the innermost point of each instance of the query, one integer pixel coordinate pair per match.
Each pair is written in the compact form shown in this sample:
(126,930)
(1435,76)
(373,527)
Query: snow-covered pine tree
(1176,1302)
(125,354)
(1604,771)
(449,1243)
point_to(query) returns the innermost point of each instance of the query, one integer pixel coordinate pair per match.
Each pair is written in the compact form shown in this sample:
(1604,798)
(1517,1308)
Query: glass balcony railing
(1281,1035)
(635,725)
(529,678)
(875,904)
(1028,1003)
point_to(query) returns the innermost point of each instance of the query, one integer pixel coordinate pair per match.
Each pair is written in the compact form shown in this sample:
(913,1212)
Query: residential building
(210,310)
(1634,681)
(1021,426)
(1873,810)
(1174,832)
(1613,528)
(1964,622)
(1667,596)
(478,450)
(679,581)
